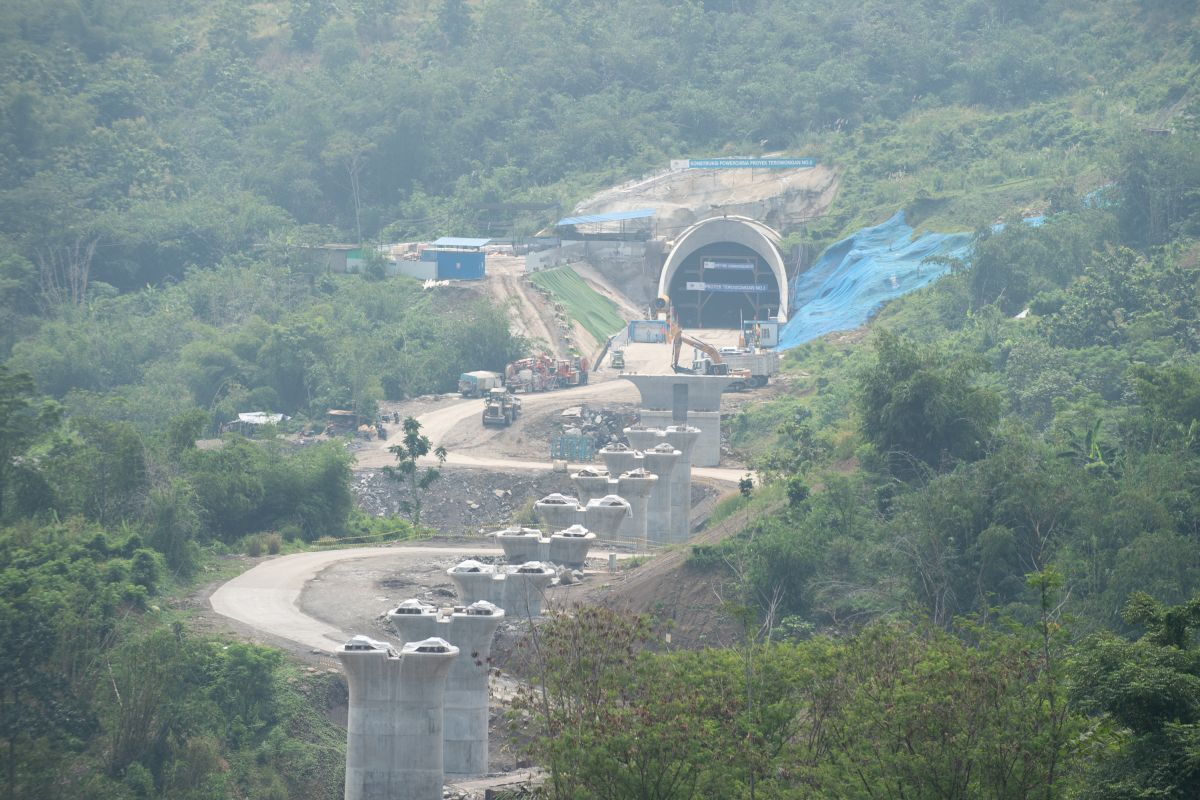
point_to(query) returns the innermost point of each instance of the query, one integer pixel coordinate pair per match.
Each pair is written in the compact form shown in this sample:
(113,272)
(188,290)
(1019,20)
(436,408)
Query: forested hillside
(976,543)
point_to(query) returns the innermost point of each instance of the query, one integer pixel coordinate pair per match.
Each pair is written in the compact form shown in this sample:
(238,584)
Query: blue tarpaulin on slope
(857,275)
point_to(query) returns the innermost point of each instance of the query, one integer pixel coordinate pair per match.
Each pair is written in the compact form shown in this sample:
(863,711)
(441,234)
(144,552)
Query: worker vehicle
(710,363)
(540,373)
(478,383)
(761,364)
(500,407)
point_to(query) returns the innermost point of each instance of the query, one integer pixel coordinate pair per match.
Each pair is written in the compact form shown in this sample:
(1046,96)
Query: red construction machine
(540,373)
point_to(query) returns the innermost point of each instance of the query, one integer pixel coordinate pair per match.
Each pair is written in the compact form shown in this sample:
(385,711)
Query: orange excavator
(710,364)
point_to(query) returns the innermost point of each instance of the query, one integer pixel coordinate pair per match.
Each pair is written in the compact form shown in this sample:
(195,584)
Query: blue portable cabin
(457,258)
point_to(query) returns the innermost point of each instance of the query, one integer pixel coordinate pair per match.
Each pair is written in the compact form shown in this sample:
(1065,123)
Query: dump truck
(761,364)
(500,407)
(478,383)
(617,359)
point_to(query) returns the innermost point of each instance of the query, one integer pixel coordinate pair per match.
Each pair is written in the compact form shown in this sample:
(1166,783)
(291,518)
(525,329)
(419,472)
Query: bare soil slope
(528,312)
(690,601)
(779,197)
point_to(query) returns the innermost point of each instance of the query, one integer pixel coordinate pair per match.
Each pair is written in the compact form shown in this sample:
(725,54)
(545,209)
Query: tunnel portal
(724,271)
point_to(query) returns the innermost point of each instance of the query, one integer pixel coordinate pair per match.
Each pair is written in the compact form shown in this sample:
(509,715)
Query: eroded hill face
(781,198)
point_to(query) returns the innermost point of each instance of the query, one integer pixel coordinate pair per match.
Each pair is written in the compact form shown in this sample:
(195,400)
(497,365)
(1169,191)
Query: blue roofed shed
(457,258)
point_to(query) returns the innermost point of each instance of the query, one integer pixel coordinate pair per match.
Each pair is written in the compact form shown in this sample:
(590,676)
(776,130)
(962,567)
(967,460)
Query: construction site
(603,444)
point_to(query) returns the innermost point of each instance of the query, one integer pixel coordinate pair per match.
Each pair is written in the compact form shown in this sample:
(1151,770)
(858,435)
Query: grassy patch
(596,313)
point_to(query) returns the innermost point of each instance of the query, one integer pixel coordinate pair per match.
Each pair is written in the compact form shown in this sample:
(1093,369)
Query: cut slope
(780,198)
(597,314)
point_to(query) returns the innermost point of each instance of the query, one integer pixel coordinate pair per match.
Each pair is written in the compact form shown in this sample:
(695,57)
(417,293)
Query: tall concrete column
(466,717)
(686,399)
(604,515)
(592,483)
(707,452)
(682,438)
(635,486)
(471,630)
(618,458)
(557,511)
(660,460)
(525,587)
(394,725)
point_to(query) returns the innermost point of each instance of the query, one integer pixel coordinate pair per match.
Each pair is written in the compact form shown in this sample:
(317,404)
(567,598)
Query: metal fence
(573,448)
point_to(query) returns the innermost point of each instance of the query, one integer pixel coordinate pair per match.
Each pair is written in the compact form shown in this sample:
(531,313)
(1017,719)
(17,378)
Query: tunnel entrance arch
(723,271)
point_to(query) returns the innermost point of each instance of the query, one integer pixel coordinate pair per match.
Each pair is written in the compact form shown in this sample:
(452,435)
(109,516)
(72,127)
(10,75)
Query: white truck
(478,383)
(761,364)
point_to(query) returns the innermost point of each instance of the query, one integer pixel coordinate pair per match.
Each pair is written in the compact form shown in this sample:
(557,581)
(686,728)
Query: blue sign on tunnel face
(751,163)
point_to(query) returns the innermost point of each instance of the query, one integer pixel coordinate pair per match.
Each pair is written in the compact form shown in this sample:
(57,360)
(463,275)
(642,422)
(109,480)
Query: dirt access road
(456,426)
(528,313)
(532,315)
(267,596)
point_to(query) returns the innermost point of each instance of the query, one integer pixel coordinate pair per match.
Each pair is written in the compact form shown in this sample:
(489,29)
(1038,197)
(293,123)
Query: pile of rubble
(464,500)
(602,424)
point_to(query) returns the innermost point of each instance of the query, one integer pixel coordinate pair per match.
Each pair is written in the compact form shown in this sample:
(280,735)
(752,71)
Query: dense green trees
(100,702)
(22,420)
(920,408)
(892,711)
(105,696)
(1149,690)
(266,339)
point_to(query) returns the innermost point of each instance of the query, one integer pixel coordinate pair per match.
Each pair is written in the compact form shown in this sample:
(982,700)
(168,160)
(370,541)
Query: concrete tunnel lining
(744,231)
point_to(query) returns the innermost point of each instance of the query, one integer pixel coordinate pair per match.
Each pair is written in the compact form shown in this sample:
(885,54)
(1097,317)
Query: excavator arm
(703,347)
(679,338)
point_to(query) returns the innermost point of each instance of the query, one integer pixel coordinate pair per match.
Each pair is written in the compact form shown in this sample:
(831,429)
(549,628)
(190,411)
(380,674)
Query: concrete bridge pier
(605,515)
(474,581)
(525,587)
(520,544)
(635,486)
(569,547)
(394,726)
(642,438)
(660,460)
(557,511)
(619,458)
(682,438)
(465,723)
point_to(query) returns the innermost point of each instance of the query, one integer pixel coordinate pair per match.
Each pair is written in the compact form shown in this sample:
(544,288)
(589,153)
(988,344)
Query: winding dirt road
(445,427)
(267,596)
